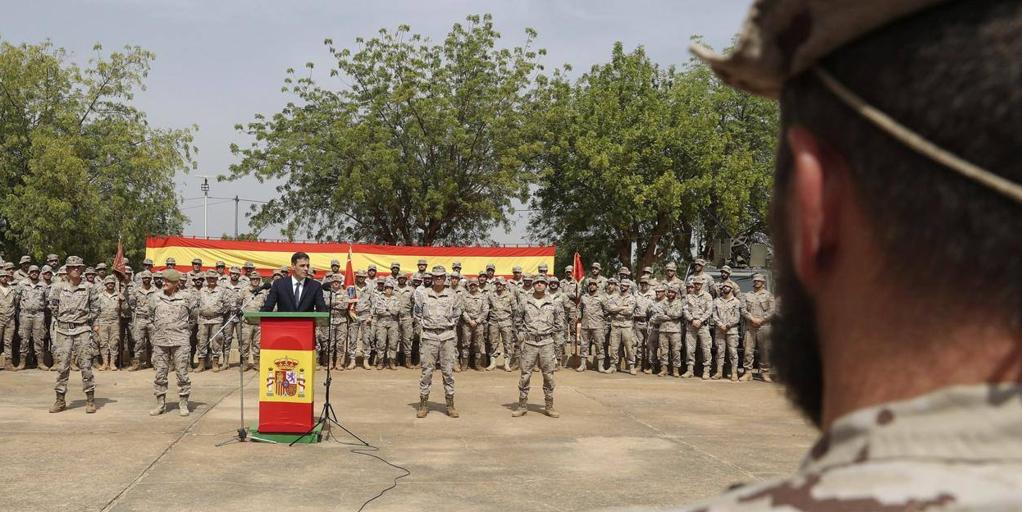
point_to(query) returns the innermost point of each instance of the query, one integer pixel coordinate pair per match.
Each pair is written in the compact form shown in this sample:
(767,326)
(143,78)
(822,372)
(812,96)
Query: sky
(218,63)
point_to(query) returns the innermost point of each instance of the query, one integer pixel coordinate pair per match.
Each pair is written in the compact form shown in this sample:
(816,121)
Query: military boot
(423,409)
(351,363)
(134,365)
(479,364)
(507,363)
(104,360)
(493,363)
(523,407)
(688,373)
(365,363)
(227,363)
(765,375)
(161,406)
(675,372)
(7,364)
(718,372)
(631,369)
(90,402)
(451,411)
(40,362)
(663,371)
(549,410)
(74,363)
(21,364)
(60,404)
(182,406)
(733,374)
(408,362)
(201,367)
(582,362)
(216,364)
(602,365)
(747,376)
(612,368)
(113,363)
(706,373)
(392,364)
(381,362)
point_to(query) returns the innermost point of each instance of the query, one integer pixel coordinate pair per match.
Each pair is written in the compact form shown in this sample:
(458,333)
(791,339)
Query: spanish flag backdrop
(270,255)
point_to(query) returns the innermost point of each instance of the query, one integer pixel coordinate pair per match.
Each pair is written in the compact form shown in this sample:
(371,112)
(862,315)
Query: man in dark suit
(297,293)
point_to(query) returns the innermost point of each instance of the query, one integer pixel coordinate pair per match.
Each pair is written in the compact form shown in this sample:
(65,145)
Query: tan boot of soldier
(202,365)
(161,406)
(523,407)
(423,408)
(58,405)
(549,410)
(747,376)
(21,364)
(90,402)
(688,373)
(451,411)
(216,364)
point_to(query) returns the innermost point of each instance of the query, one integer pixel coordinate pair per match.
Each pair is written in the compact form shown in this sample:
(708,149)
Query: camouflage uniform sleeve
(455,310)
(686,311)
(151,305)
(770,309)
(716,313)
(559,318)
(707,312)
(485,313)
(94,305)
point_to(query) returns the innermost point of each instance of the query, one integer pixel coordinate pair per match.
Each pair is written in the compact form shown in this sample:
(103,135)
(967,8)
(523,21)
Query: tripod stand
(242,431)
(327,416)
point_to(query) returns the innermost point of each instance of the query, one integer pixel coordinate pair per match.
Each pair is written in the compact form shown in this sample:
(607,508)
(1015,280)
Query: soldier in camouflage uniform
(593,322)
(597,277)
(337,300)
(197,272)
(404,319)
(475,307)
(31,318)
(671,277)
(643,300)
(9,296)
(554,291)
(141,324)
(656,350)
(438,310)
(572,294)
(213,303)
(22,273)
(253,299)
(709,285)
(364,314)
(725,277)
(108,322)
(698,309)
(234,287)
(171,311)
(728,311)
(386,310)
(501,308)
(516,278)
(620,310)
(542,317)
(75,308)
(669,317)
(758,310)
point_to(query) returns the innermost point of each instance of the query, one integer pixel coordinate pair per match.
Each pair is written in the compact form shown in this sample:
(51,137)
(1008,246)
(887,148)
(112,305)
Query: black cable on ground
(367,450)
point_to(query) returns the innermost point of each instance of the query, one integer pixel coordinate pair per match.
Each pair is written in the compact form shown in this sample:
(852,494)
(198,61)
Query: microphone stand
(242,431)
(326,414)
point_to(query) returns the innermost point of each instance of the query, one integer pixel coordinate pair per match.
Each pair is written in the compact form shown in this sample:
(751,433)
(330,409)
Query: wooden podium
(287,371)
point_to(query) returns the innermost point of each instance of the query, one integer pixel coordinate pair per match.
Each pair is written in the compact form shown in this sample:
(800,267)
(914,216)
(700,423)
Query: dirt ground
(622,442)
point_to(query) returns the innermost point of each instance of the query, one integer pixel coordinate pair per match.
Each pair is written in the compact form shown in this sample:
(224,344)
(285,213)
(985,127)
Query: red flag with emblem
(349,276)
(118,264)
(577,271)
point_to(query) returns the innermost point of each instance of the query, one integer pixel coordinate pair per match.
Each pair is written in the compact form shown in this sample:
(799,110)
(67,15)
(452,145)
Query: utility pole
(205,204)
(236,201)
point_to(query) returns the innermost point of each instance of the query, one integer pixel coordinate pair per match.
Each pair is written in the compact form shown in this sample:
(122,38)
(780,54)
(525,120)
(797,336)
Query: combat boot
(40,363)
(493,363)
(507,363)
(688,373)
(718,372)
(746,377)
(161,406)
(765,375)
(675,372)
(582,362)
(523,407)
(74,363)
(601,365)
(250,366)
(351,364)
(365,363)
(423,409)
(90,402)
(631,369)
(60,404)
(227,363)
(134,365)
(392,364)
(663,371)
(21,364)
(706,373)
(198,369)
(451,411)
(733,374)
(381,362)
(112,365)
(549,410)
(216,364)
(408,362)
(612,368)
(479,364)
(7,364)
(463,364)
(182,406)
(103,361)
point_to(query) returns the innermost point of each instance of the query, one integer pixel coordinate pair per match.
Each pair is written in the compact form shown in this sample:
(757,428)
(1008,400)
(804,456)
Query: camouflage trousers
(407,332)
(7,336)
(142,332)
(726,341)
(109,338)
(592,337)
(669,345)
(178,356)
(546,358)
(622,336)
(434,352)
(757,338)
(249,341)
(387,336)
(570,319)
(208,346)
(366,338)
(702,334)
(67,346)
(32,329)
(500,336)
(472,339)
(642,352)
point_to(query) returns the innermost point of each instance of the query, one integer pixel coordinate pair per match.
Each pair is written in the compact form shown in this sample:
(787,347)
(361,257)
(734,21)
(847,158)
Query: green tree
(422,143)
(79,165)
(636,154)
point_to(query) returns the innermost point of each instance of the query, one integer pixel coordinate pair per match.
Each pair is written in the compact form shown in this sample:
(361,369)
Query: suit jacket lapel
(299,300)
(291,293)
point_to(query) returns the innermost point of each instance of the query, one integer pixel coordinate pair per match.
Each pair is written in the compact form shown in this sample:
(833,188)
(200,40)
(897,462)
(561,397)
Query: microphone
(265,286)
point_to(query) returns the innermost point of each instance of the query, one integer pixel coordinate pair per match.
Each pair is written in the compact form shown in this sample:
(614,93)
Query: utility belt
(539,337)
(71,325)
(32,313)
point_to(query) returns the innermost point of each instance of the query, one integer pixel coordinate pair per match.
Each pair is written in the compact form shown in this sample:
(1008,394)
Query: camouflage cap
(660,288)
(196,261)
(101,266)
(491,266)
(248,265)
(33,268)
(644,280)
(110,279)
(147,261)
(758,277)
(421,262)
(417,276)
(438,271)
(277,273)
(254,276)
(170,261)
(25,259)
(283,269)
(74,261)
(626,283)
(89,270)
(395,265)
(612,280)
(540,278)
(389,283)
(552,281)
(472,281)
(128,270)
(647,270)
(456,264)
(596,265)
(52,257)
(671,266)
(625,271)
(404,276)
(455,275)
(169,275)
(699,261)
(371,267)
(335,262)
(569,268)
(674,288)
(62,270)
(235,270)
(592,282)
(727,285)
(8,265)
(516,270)
(6,273)
(46,268)
(220,263)
(159,273)
(500,280)
(211,274)
(528,277)
(361,273)
(482,273)
(725,268)
(145,274)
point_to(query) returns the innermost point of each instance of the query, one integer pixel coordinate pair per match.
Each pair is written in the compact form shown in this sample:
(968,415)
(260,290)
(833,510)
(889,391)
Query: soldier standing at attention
(709,286)
(438,310)
(8,311)
(74,308)
(32,318)
(728,311)
(364,312)
(758,312)
(541,319)
(213,304)
(171,311)
(253,299)
(475,307)
(621,309)
(593,320)
(698,309)
(669,316)
(108,323)
(196,272)
(725,277)
(502,307)
(234,287)
(337,300)
(22,273)
(554,291)
(594,275)
(657,349)
(516,277)
(386,309)
(671,277)
(572,294)
(643,301)
(404,319)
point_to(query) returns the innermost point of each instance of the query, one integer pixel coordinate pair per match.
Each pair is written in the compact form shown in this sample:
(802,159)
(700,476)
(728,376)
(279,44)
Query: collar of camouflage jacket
(959,424)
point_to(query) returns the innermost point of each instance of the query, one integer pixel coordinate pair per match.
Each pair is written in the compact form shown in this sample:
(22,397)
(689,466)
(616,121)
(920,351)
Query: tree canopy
(79,165)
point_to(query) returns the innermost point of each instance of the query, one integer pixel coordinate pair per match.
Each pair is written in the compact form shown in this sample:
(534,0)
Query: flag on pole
(118,265)
(349,276)
(577,271)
